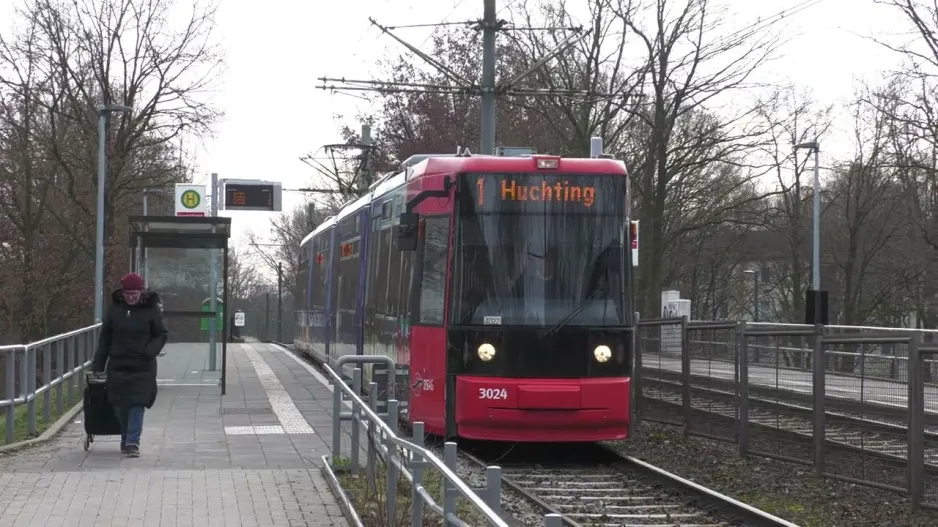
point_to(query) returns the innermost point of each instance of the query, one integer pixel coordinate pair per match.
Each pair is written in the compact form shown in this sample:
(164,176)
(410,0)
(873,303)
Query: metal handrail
(418,451)
(914,412)
(74,348)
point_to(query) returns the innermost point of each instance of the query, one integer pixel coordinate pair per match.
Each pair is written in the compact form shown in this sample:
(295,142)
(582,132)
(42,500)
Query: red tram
(500,285)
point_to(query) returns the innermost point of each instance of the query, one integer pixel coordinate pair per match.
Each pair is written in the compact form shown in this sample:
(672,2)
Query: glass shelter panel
(182,278)
(181,257)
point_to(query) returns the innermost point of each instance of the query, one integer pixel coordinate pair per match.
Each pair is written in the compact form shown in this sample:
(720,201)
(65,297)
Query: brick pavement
(251,457)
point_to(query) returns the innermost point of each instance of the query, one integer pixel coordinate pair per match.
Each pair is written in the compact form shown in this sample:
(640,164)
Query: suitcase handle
(95,378)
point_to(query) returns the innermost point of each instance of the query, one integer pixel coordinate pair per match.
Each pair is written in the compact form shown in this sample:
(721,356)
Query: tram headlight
(602,353)
(486,352)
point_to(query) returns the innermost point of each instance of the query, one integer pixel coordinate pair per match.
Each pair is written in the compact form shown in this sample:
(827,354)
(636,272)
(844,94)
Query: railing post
(636,372)
(685,375)
(818,388)
(336,418)
(10,382)
(60,375)
(86,356)
(742,389)
(493,488)
(72,353)
(916,398)
(449,496)
(372,451)
(47,381)
(356,420)
(417,463)
(392,468)
(31,382)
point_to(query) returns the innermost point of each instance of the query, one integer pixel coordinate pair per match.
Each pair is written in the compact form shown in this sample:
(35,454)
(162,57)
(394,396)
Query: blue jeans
(131,420)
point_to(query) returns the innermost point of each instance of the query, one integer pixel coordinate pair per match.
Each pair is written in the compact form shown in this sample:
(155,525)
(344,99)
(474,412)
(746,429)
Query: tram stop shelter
(185,261)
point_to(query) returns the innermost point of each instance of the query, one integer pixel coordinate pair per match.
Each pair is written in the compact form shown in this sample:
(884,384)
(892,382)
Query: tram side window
(374,261)
(403,288)
(348,269)
(383,295)
(302,280)
(394,288)
(433,280)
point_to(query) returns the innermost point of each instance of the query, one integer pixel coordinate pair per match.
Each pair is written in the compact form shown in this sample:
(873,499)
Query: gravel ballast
(787,490)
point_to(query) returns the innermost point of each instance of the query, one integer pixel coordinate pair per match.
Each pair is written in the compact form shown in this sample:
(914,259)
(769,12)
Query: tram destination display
(252,195)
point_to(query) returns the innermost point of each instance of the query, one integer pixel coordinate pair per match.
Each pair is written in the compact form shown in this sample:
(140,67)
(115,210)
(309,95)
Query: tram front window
(540,250)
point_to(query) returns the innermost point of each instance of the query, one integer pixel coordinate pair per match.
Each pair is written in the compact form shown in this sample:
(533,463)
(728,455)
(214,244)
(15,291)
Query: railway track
(866,434)
(598,486)
(592,485)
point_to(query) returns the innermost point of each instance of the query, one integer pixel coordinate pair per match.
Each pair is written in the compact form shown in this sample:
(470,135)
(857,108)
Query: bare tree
(866,212)
(288,231)
(592,84)
(242,276)
(690,66)
(63,59)
(127,52)
(790,117)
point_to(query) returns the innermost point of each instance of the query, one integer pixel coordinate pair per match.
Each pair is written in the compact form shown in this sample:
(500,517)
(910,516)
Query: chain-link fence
(855,405)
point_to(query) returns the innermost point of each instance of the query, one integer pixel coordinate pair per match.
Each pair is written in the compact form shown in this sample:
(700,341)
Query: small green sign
(219,317)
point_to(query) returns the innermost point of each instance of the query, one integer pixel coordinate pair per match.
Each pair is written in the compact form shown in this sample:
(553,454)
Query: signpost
(190,200)
(239,318)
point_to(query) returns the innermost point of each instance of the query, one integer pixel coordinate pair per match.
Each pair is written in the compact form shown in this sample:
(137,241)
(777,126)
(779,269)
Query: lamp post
(103,112)
(816,219)
(755,294)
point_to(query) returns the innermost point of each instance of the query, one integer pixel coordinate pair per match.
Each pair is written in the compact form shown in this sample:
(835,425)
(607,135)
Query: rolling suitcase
(100,419)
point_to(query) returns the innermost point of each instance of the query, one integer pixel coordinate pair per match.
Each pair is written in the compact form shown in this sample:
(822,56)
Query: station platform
(250,457)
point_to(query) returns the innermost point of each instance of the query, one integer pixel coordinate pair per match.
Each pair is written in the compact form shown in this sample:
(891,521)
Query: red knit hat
(132,282)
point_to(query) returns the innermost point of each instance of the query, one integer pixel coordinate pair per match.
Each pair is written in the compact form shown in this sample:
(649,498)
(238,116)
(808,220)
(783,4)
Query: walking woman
(132,336)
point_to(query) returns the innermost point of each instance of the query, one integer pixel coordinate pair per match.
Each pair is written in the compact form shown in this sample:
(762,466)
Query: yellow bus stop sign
(190,199)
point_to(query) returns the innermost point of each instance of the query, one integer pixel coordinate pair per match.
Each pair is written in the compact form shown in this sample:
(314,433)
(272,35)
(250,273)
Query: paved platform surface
(251,457)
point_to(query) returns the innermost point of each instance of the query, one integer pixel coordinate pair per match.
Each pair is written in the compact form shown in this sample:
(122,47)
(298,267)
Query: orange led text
(511,190)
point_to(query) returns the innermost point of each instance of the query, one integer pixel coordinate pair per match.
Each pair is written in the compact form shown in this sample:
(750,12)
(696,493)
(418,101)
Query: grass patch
(371,502)
(21,415)
(793,511)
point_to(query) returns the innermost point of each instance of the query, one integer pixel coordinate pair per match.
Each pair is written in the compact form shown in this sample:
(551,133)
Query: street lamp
(103,112)
(816,220)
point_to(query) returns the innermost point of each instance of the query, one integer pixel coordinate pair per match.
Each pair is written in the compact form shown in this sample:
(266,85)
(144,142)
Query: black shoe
(133,451)
(123,448)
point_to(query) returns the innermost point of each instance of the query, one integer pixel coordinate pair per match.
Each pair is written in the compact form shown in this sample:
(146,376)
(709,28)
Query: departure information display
(249,197)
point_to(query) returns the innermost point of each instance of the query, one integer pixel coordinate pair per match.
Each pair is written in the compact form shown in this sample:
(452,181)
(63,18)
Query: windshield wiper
(576,311)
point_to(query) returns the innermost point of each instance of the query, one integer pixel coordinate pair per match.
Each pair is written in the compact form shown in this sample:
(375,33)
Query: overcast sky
(276,49)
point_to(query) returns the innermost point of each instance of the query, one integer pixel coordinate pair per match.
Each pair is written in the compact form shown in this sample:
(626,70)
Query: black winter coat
(131,338)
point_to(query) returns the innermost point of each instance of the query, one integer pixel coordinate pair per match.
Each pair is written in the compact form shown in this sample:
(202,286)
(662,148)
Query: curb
(344,503)
(50,432)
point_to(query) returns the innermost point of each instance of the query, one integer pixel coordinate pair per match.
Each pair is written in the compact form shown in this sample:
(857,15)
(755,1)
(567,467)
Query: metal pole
(366,167)
(755,276)
(267,320)
(279,302)
(816,264)
(99,235)
(489,23)
(146,211)
(213,286)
